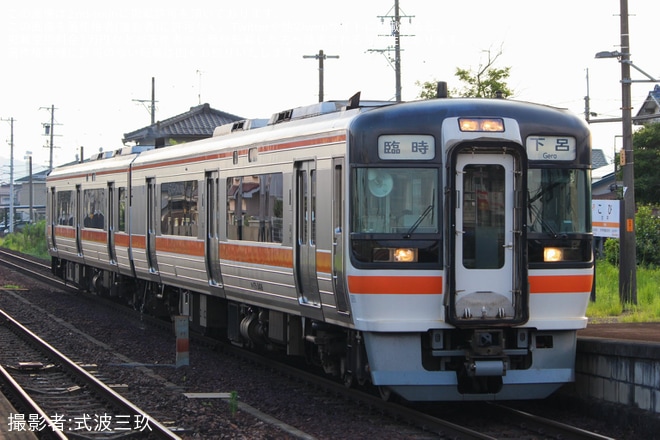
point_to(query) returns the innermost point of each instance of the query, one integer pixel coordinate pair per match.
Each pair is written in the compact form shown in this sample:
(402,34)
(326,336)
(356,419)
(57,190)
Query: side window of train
(255,207)
(64,208)
(122,210)
(179,213)
(94,208)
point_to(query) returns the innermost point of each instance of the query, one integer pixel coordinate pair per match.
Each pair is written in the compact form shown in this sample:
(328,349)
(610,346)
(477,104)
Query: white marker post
(182,341)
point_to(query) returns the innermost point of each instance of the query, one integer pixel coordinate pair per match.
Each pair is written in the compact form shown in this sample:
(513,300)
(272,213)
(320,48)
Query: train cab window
(395,216)
(395,200)
(558,201)
(559,217)
(179,213)
(94,208)
(65,208)
(255,208)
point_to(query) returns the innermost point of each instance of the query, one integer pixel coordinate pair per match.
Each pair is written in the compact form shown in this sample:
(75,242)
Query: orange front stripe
(560,283)
(395,285)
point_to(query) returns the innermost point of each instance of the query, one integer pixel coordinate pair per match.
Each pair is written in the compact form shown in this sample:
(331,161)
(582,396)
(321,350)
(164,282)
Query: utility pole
(152,109)
(49,130)
(320,56)
(627,238)
(11,175)
(628,251)
(153,100)
(395,24)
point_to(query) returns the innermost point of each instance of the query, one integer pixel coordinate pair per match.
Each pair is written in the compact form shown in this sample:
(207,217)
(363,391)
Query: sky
(94,61)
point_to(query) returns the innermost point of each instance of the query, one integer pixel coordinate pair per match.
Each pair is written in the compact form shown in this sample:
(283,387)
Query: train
(439,250)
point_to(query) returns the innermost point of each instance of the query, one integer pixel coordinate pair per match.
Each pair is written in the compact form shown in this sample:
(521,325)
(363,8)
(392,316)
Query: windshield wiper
(419,221)
(546,226)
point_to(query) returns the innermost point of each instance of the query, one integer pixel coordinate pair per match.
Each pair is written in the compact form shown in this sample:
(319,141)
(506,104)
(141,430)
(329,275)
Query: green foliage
(646,146)
(608,307)
(31,240)
(485,82)
(647,234)
(611,248)
(607,295)
(429,89)
(233,402)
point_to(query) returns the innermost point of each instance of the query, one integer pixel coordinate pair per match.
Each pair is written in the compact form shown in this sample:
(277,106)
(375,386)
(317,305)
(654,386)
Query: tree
(486,82)
(646,146)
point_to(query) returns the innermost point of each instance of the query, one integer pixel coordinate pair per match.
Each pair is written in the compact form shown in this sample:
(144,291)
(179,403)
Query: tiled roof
(598,159)
(197,123)
(650,107)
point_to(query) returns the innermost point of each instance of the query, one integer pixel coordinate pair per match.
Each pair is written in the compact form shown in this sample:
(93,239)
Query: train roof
(324,117)
(103,162)
(297,122)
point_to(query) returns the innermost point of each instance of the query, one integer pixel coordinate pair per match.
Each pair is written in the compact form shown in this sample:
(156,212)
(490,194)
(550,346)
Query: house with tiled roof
(197,123)
(603,177)
(650,110)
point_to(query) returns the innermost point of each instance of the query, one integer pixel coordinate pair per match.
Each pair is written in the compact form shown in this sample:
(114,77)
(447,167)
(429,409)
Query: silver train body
(440,250)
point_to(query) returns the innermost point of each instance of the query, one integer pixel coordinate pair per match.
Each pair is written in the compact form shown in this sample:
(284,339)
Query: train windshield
(395,200)
(559,201)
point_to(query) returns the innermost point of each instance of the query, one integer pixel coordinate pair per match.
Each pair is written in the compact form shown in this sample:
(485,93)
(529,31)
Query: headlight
(481,124)
(405,255)
(396,255)
(552,254)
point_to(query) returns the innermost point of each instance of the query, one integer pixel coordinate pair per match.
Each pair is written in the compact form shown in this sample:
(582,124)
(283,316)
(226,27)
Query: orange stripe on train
(96,235)
(395,285)
(194,248)
(65,231)
(560,283)
(269,256)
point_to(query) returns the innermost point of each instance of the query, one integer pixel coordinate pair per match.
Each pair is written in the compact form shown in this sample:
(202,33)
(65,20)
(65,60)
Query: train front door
(305,234)
(487,283)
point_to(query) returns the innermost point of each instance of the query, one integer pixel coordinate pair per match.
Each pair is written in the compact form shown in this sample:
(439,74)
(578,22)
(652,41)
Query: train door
(152,209)
(338,277)
(78,219)
(54,214)
(487,243)
(305,234)
(211,241)
(112,221)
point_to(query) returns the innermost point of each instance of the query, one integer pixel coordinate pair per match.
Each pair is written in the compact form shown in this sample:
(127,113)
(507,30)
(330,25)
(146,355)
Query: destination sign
(555,148)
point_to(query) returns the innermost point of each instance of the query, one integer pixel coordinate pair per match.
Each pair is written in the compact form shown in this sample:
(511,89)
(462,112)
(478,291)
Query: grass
(608,307)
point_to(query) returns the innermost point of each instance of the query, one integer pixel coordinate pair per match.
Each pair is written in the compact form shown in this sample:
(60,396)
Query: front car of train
(469,262)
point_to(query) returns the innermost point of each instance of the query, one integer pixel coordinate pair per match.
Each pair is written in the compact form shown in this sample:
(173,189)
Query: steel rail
(98,387)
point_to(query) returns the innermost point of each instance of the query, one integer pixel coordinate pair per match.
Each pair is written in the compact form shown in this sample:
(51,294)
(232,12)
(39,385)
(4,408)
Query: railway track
(429,421)
(60,397)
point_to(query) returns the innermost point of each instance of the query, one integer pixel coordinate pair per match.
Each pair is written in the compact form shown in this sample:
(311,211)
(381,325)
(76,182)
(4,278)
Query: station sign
(605,218)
